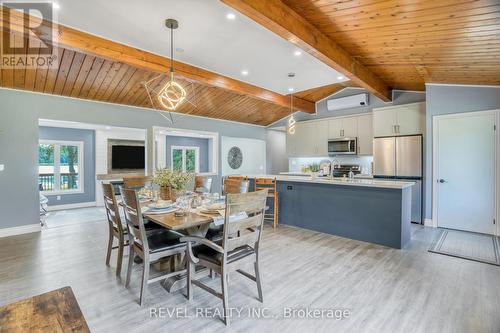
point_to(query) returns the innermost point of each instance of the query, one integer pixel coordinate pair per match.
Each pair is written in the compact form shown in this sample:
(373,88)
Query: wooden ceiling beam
(285,22)
(79,41)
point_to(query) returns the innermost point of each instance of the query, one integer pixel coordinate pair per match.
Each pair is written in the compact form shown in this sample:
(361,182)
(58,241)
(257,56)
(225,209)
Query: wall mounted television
(127,157)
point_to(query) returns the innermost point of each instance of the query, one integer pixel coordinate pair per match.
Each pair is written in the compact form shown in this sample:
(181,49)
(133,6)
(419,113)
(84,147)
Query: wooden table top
(55,311)
(172,222)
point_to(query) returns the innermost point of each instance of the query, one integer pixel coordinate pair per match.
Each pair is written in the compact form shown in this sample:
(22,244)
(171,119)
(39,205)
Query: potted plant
(172,183)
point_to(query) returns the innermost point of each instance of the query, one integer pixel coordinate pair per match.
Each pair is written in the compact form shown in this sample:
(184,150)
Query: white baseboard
(71,206)
(23,229)
(429,223)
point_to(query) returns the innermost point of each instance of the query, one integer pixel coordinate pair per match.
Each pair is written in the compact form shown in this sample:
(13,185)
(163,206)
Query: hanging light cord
(171,52)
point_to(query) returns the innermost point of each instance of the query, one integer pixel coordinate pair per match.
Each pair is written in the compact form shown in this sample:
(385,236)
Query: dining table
(194,223)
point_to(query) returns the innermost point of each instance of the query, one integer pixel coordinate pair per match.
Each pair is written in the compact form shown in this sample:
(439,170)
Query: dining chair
(203,184)
(116,228)
(149,246)
(243,221)
(235,185)
(271,185)
(135,182)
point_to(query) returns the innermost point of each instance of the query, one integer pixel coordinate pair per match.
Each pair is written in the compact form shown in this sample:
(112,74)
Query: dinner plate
(153,211)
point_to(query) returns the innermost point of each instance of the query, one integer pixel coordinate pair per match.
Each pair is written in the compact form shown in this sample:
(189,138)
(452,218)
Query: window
(60,166)
(185,159)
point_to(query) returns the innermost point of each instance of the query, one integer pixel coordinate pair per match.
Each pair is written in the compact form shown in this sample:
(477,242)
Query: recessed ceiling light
(244,72)
(297,53)
(290,89)
(340,77)
(230,16)
(108,128)
(55,5)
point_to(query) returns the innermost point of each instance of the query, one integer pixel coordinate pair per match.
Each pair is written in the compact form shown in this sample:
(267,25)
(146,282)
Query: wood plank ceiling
(408,43)
(88,77)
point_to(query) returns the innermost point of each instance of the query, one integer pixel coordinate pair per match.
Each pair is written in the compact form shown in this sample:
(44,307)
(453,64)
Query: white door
(465,172)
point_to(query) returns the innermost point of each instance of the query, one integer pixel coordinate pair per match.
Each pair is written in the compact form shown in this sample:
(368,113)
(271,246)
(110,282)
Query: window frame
(184,148)
(57,166)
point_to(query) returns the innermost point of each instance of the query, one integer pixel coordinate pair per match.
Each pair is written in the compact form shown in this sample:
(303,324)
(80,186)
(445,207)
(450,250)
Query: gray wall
(88,138)
(276,157)
(400,97)
(19,114)
(443,99)
(201,143)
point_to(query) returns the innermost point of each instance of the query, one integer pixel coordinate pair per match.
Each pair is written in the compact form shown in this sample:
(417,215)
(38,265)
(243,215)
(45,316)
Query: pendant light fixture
(291,120)
(172,94)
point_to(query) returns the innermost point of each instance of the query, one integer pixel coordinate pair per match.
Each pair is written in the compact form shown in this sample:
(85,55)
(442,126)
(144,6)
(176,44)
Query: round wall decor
(234,157)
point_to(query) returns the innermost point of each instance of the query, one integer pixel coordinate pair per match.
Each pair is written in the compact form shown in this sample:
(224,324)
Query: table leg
(178,282)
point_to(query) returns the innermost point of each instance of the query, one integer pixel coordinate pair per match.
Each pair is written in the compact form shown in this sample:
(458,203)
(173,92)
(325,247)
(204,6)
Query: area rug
(468,245)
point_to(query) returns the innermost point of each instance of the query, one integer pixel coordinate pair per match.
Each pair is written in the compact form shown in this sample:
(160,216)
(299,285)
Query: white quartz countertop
(379,183)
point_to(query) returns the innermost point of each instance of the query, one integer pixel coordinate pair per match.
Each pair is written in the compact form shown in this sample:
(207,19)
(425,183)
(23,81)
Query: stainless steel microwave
(343,146)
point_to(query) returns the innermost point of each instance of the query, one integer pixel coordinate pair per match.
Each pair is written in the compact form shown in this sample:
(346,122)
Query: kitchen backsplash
(295,164)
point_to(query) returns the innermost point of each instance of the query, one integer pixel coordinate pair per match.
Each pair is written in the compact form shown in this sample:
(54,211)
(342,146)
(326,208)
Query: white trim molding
(213,147)
(57,166)
(429,223)
(71,206)
(23,229)
(462,85)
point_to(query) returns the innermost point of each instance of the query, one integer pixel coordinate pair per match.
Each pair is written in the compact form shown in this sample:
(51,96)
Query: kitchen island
(370,210)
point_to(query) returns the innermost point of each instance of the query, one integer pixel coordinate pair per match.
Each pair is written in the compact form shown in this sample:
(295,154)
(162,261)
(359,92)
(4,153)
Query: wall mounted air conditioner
(347,102)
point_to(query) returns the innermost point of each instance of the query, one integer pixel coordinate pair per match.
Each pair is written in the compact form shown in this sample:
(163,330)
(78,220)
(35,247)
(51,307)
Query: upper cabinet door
(365,134)
(321,138)
(291,143)
(411,119)
(384,122)
(334,128)
(349,127)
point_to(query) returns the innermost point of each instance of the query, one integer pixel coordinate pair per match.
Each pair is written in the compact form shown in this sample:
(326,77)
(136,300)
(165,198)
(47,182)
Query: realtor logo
(27,39)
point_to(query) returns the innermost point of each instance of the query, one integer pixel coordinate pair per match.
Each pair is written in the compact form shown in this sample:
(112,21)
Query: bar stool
(235,184)
(270,185)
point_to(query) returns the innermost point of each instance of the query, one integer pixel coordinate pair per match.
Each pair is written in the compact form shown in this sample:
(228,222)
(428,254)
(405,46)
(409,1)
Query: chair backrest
(133,217)
(203,184)
(112,211)
(235,186)
(135,181)
(237,177)
(265,183)
(244,230)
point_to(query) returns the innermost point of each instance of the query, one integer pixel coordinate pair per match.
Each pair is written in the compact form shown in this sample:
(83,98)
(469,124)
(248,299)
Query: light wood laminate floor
(385,290)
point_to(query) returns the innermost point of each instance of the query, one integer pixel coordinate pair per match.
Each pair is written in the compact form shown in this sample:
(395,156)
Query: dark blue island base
(370,214)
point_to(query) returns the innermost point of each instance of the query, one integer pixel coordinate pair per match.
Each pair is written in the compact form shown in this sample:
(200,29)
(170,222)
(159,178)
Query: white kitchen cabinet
(310,139)
(334,128)
(350,127)
(384,122)
(342,127)
(397,120)
(365,134)
(292,142)
(411,119)
(321,138)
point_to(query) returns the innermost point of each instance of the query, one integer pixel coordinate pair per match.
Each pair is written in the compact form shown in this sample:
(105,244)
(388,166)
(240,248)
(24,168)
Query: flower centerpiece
(171,183)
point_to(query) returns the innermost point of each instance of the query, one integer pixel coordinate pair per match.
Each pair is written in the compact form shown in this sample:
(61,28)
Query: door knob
(442,181)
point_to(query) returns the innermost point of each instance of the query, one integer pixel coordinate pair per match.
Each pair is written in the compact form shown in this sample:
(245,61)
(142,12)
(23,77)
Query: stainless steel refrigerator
(400,158)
